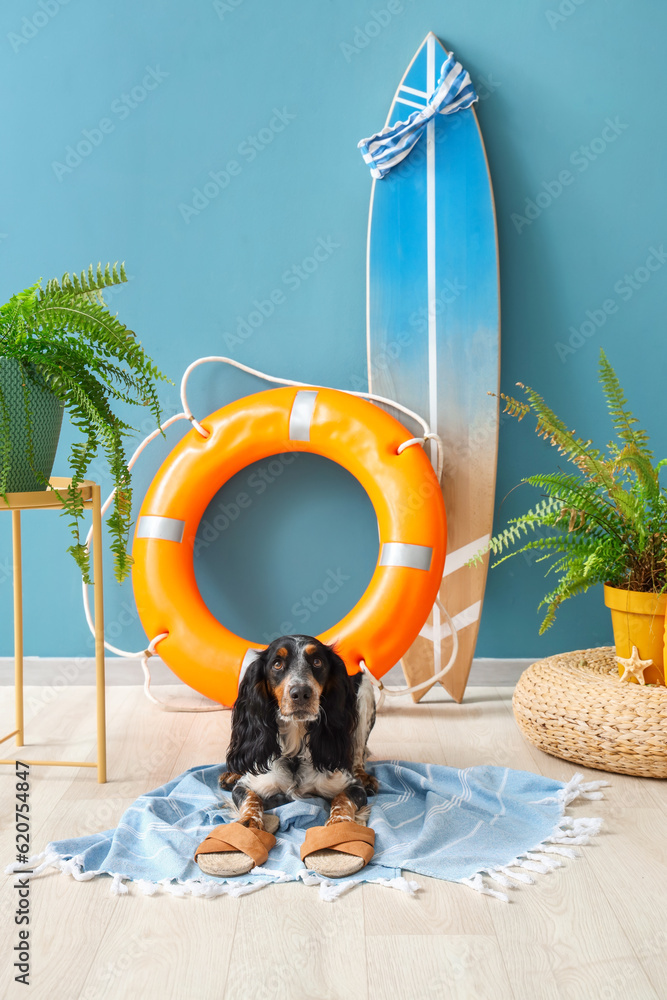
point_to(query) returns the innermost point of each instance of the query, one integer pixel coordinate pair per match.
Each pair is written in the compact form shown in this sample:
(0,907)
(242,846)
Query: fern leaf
(577,494)
(570,587)
(514,407)
(636,459)
(624,422)
(517,527)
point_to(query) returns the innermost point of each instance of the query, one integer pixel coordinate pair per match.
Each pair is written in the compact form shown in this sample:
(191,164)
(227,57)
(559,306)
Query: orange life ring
(356,434)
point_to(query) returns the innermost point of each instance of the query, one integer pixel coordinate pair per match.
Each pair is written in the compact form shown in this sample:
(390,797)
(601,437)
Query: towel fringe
(496,875)
(117,886)
(565,852)
(575,831)
(146,887)
(547,864)
(576,788)
(330,890)
(190,887)
(400,883)
(477,883)
(20,866)
(518,876)
(569,830)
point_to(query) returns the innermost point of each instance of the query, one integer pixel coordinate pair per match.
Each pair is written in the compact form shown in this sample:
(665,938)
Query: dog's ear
(254,724)
(331,738)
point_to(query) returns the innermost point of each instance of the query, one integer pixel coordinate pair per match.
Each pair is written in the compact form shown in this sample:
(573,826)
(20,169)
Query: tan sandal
(338,849)
(233,849)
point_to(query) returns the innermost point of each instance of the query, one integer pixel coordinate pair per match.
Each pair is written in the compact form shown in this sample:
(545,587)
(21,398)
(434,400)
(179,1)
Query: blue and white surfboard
(433,335)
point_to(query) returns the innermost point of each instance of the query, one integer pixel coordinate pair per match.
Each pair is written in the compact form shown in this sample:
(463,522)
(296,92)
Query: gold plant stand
(50,500)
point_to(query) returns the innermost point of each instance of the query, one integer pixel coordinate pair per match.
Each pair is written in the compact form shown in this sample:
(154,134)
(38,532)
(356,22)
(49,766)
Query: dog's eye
(277,664)
(317,662)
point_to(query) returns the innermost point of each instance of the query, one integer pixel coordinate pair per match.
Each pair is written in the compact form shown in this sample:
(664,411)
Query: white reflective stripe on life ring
(301,415)
(407,555)
(170,529)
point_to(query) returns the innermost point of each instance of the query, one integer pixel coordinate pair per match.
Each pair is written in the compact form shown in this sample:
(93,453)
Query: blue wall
(171,92)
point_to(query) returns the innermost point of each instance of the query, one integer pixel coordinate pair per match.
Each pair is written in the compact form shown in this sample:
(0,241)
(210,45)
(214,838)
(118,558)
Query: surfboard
(433,336)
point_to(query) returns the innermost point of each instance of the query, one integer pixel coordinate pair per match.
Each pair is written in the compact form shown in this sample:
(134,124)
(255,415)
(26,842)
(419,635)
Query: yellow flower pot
(638,619)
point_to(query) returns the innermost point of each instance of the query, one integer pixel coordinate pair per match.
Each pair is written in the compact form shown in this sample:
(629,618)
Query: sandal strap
(237,837)
(348,837)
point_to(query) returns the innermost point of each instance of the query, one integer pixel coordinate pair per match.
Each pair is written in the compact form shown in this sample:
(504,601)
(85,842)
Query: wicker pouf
(574,706)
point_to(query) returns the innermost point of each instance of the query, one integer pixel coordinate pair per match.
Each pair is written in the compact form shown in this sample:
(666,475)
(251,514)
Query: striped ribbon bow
(454,92)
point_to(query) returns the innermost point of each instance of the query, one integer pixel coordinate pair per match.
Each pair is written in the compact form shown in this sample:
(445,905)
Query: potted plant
(61,348)
(604,523)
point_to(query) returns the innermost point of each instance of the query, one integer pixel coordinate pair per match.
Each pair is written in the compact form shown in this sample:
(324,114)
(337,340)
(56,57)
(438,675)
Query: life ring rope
(428,434)
(145,654)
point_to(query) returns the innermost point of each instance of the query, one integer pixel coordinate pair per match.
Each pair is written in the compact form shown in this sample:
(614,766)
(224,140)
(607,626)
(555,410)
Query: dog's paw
(370,783)
(228,779)
(363,815)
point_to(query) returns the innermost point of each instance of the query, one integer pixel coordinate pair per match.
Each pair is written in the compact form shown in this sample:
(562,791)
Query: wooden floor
(595,929)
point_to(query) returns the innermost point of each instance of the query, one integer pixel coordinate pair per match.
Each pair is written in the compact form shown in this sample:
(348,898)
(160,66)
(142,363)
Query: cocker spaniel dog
(300,727)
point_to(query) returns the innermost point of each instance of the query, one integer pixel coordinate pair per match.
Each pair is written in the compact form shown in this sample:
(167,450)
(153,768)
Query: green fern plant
(64,335)
(604,523)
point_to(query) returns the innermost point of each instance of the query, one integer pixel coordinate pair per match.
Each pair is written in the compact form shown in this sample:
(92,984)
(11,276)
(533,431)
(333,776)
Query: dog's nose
(300,693)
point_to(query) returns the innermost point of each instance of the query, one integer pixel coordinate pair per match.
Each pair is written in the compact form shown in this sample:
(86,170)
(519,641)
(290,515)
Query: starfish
(633,666)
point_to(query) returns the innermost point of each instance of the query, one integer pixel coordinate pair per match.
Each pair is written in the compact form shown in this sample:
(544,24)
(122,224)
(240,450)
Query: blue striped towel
(454,92)
(459,825)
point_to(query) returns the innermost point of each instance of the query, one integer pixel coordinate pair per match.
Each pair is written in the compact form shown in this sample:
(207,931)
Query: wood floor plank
(478,731)
(426,753)
(290,945)
(399,720)
(206,741)
(437,908)
(631,869)
(164,947)
(566,912)
(454,966)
